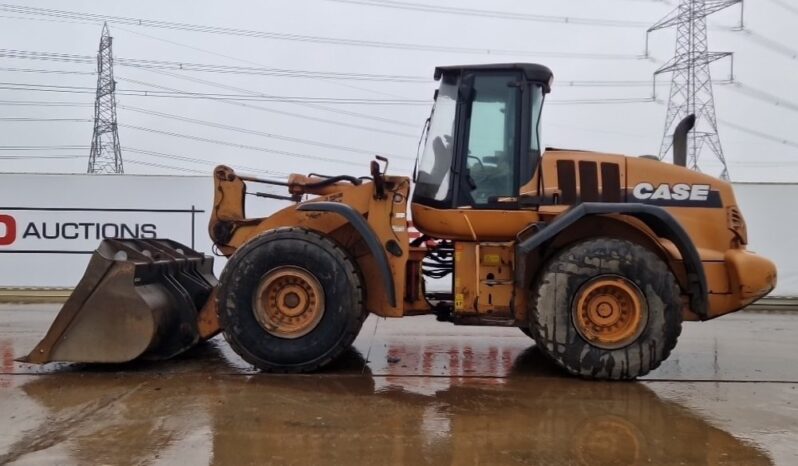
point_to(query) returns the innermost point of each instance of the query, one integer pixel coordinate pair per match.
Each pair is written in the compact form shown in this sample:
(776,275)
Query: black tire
(328,263)
(554,297)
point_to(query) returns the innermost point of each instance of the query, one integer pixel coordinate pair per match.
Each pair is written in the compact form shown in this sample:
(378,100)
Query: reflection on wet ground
(430,393)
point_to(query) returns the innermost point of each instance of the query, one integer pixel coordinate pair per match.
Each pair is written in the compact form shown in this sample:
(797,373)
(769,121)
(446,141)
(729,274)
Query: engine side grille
(608,189)
(588,181)
(610,182)
(566,180)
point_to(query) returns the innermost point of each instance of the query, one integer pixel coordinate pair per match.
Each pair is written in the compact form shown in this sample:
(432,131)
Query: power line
(40,157)
(127,160)
(734,85)
(786,6)
(631,100)
(156,154)
(557,83)
(43,148)
(245,105)
(760,134)
(511,15)
(597,130)
(46,56)
(560,83)
(303,104)
(168,167)
(598,83)
(246,146)
(762,96)
(766,163)
(214,68)
(621,83)
(11,148)
(83,16)
(761,40)
(238,129)
(43,103)
(11,86)
(183,169)
(259,96)
(25,120)
(249,62)
(262,71)
(148,153)
(281,99)
(770,44)
(197,67)
(201,161)
(47,71)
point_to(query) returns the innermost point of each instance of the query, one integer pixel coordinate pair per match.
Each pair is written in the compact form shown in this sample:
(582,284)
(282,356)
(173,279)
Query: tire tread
(354,276)
(657,267)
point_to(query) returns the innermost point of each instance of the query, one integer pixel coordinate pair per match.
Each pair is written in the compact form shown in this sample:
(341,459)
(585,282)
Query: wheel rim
(610,312)
(289,302)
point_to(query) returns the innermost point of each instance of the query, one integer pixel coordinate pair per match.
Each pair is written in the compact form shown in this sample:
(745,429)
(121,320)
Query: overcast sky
(338,138)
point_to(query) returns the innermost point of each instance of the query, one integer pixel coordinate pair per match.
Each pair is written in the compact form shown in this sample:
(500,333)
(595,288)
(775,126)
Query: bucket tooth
(137,299)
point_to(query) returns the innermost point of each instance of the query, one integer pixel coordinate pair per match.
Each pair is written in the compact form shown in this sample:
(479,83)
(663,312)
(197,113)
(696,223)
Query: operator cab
(483,140)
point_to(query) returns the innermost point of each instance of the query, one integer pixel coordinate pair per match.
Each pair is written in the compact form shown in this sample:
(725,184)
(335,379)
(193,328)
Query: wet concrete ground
(413,391)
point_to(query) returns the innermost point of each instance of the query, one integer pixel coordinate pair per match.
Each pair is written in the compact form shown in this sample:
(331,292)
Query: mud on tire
(341,288)
(553,300)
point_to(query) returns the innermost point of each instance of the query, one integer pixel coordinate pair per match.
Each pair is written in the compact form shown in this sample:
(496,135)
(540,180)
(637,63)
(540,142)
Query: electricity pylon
(106,154)
(691,82)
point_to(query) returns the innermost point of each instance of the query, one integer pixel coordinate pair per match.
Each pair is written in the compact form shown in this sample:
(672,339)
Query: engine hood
(584,176)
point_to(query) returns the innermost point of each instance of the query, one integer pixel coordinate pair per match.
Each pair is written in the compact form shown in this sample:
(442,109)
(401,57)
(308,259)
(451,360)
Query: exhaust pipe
(680,140)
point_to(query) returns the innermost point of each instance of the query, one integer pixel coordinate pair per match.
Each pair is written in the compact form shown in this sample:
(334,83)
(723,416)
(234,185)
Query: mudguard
(368,235)
(662,223)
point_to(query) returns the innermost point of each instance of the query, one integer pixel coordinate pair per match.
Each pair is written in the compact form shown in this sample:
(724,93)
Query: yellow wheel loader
(597,257)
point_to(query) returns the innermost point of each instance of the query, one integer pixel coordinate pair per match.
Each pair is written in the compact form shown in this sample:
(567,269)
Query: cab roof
(532,71)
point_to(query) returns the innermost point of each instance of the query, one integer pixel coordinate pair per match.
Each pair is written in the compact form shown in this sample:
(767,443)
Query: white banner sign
(49,224)
(75,230)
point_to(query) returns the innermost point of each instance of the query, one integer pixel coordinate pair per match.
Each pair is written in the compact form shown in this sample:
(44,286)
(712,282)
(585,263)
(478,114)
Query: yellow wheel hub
(289,302)
(610,312)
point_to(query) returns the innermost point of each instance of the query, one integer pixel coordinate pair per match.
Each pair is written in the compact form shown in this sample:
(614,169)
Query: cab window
(491,147)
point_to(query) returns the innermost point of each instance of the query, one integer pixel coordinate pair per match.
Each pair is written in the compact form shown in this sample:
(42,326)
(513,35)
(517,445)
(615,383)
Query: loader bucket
(137,299)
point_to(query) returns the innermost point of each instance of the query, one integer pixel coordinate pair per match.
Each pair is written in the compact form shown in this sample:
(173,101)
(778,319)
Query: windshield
(434,168)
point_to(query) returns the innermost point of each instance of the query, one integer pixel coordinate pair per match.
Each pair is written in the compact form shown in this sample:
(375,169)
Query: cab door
(486,164)
(489,146)
(488,170)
